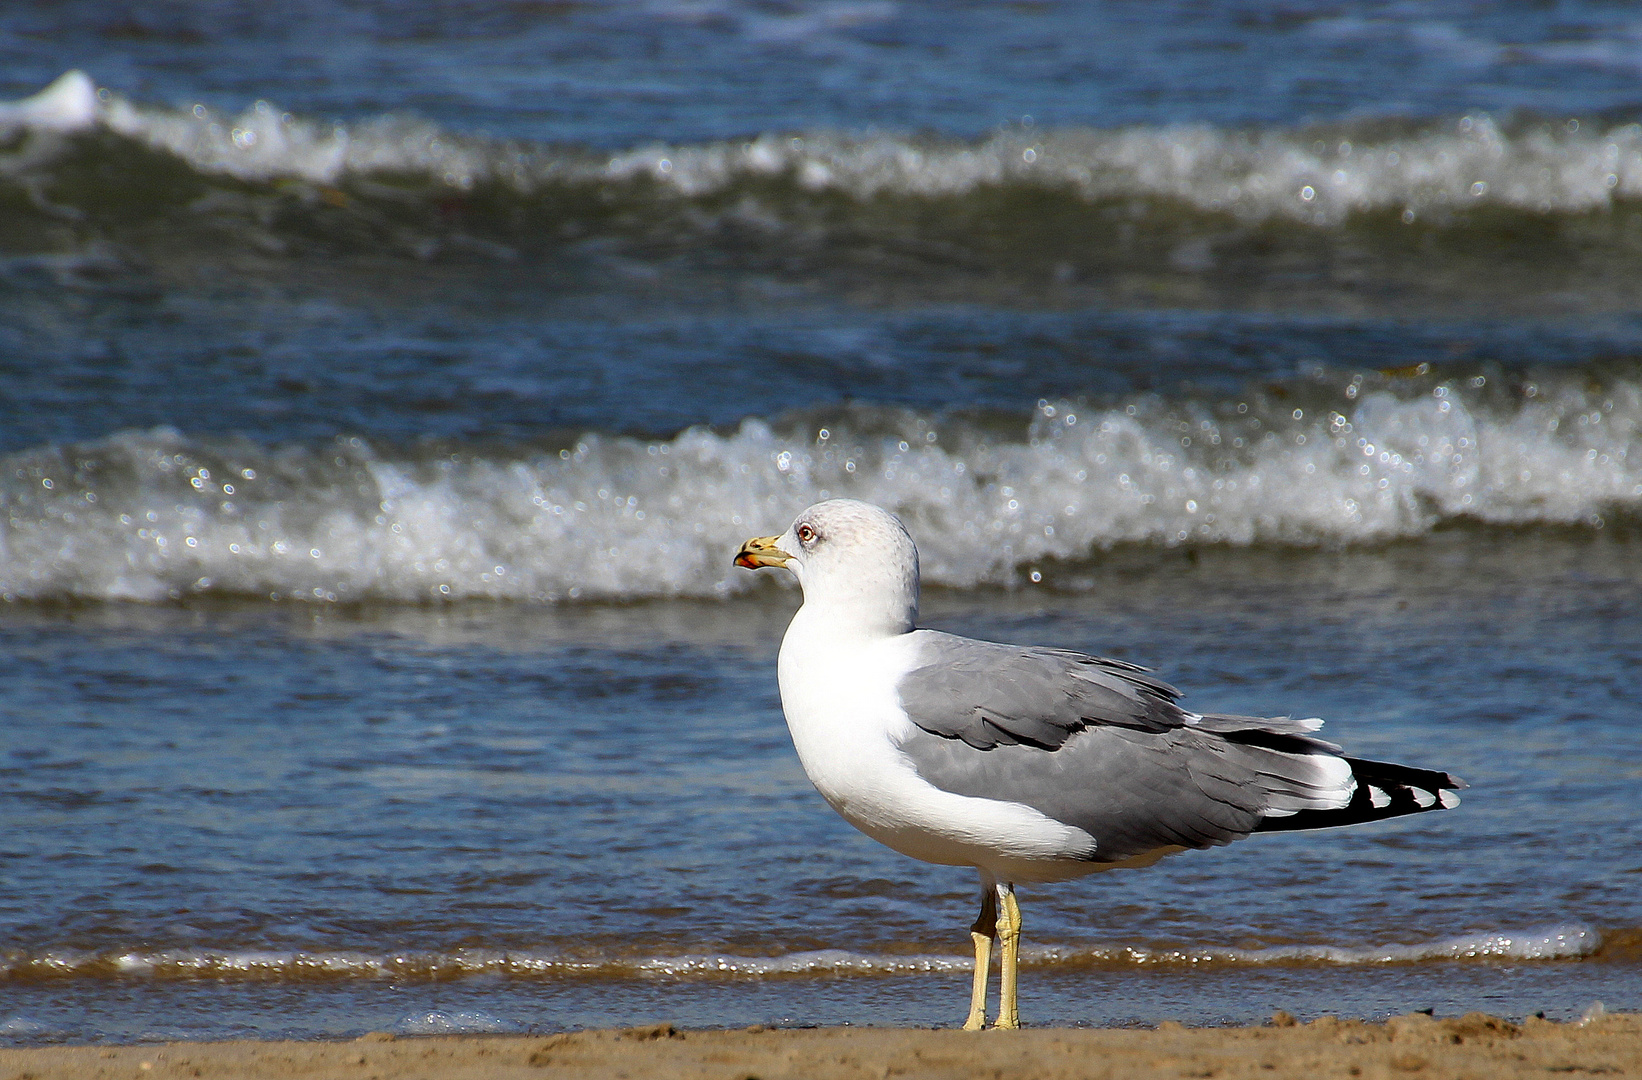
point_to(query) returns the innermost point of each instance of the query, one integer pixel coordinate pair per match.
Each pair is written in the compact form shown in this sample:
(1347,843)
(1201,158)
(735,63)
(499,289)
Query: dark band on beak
(761,551)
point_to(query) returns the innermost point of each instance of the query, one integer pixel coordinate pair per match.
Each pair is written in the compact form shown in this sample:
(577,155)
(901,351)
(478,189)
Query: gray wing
(1101,745)
(992,695)
(1137,791)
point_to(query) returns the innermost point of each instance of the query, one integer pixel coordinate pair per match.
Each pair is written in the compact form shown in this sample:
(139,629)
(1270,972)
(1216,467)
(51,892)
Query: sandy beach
(1475,1045)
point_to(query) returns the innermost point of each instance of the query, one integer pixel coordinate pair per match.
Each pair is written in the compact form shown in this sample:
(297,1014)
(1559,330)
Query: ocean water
(384,391)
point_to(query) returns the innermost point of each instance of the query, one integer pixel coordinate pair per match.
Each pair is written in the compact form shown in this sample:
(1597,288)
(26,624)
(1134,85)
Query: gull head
(855,561)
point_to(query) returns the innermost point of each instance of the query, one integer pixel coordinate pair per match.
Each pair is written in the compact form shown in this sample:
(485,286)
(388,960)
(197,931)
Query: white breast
(839,693)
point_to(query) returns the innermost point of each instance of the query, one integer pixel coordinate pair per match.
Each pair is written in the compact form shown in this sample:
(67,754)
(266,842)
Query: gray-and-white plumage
(1030,764)
(1102,745)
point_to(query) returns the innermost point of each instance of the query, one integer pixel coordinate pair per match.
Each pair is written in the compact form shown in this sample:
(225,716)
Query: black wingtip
(1384,790)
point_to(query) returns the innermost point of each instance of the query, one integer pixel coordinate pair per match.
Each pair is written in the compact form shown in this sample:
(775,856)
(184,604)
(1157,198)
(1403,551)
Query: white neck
(862,617)
(871,602)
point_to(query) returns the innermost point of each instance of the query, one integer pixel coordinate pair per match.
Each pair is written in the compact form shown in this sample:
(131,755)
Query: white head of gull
(1030,764)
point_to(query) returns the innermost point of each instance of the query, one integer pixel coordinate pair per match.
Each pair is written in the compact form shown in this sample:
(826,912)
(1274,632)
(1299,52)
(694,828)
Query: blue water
(383,393)
(621,74)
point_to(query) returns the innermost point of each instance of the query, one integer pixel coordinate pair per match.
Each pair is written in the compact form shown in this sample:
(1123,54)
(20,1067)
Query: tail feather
(1384,790)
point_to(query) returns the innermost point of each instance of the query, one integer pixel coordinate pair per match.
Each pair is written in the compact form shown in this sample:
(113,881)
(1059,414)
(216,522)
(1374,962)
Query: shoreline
(1413,1045)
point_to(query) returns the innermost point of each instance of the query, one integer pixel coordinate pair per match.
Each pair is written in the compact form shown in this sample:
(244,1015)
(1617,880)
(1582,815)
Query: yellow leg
(1009,942)
(986,925)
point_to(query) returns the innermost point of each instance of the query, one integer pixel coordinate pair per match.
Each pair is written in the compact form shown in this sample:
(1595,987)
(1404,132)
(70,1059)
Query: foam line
(1570,941)
(1318,176)
(157,515)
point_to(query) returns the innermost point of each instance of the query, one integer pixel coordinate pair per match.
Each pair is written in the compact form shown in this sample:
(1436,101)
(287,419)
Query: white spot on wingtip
(1448,799)
(1378,797)
(1423,797)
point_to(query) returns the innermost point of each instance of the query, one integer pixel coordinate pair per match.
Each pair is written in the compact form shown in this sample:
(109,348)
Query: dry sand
(1406,1047)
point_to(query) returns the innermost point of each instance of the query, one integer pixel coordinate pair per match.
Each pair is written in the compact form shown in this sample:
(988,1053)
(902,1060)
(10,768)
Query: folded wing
(1102,745)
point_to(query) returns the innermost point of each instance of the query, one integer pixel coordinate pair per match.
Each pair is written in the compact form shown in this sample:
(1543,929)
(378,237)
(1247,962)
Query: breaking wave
(157,515)
(1318,175)
(1568,942)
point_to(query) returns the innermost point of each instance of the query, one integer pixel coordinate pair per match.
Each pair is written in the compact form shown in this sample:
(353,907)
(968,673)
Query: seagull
(1029,764)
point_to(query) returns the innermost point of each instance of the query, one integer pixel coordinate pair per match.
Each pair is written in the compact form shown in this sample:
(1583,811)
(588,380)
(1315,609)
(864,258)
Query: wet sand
(1474,1045)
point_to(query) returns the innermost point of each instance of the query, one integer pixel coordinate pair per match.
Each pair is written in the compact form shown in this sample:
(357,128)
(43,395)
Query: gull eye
(806,534)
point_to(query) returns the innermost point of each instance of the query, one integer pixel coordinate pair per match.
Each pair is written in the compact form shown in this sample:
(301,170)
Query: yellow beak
(761,551)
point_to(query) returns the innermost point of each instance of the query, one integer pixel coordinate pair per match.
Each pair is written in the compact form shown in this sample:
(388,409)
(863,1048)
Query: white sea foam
(155,515)
(437,1022)
(1565,942)
(22,1027)
(68,104)
(1549,943)
(1315,176)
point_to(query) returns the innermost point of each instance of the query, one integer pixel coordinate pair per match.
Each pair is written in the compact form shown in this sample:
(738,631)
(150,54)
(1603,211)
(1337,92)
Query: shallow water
(382,394)
(552,815)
